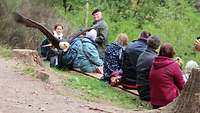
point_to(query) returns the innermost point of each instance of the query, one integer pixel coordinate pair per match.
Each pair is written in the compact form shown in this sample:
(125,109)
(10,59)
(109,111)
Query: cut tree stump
(188,101)
(27,56)
(32,58)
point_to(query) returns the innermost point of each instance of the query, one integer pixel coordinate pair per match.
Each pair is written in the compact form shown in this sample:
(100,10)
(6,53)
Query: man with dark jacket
(130,57)
(102,32)
(144,65)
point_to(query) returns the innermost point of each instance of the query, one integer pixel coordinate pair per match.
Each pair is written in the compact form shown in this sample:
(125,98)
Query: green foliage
(175,21)
(28,71)
(5,52)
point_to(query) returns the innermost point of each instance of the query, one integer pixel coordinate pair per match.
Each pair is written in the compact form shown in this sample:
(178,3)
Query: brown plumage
(31,23)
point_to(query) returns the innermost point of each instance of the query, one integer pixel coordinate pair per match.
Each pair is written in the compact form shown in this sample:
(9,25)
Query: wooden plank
(98,76)
(94,75)
(132,91)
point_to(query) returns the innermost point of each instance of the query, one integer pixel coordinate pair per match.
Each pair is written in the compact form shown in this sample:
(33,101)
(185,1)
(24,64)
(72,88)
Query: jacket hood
(161,61)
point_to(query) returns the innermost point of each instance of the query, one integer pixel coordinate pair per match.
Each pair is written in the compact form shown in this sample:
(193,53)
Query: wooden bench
(98,76)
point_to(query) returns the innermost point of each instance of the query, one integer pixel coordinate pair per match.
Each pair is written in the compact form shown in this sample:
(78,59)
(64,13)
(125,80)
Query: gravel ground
(21,93)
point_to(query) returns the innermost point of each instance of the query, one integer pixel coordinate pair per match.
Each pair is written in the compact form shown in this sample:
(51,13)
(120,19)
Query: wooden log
(27,56)
(188,101)
(98,76)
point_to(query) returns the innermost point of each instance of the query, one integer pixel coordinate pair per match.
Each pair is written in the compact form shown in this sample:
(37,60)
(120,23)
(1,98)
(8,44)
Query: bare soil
(25,94)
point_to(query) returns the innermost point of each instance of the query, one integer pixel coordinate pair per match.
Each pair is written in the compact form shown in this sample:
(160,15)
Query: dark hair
(167,50)
(95,11)
(198,37)
(144,35)
(153,42)
(55,26)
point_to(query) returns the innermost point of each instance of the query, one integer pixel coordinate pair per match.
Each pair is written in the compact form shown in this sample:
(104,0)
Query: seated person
(57,55)
(113,53)
(45,46)
(166,79)
(197,44)
(130,57)
(144,65)
(87,59)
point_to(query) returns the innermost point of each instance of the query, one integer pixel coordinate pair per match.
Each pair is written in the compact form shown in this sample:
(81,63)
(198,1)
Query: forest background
(175,21)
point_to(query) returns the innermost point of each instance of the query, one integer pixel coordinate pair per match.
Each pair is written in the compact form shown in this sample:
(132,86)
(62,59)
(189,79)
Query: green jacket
(102,36)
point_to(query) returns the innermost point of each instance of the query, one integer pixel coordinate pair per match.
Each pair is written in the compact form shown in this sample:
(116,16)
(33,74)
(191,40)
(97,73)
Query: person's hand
(197,45)
(99,70)
(115,80)
(179,61)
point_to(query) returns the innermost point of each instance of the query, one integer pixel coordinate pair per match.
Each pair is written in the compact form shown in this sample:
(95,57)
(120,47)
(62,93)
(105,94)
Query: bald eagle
(19,18)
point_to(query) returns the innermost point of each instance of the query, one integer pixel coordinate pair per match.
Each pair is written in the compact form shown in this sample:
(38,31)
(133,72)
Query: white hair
(92,34)
(190,65)
(64,45)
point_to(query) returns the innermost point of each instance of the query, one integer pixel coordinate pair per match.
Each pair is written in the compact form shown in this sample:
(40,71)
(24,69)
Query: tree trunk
(86,14)
(65,6)
(197,5)
(188,101)
(29,57)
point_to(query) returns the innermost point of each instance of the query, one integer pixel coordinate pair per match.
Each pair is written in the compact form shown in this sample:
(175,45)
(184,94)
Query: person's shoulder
(75,41)
(102,22)
(135,42)
(87,39)
(145,55)
(113,45)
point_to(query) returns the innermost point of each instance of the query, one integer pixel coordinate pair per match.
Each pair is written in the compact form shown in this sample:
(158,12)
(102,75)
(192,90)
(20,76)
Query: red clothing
(166,80)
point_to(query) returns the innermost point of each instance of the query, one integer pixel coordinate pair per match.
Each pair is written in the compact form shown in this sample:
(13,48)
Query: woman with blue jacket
(87,59)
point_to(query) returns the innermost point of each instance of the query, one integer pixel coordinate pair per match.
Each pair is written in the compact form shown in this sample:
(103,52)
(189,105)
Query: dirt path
(24,94)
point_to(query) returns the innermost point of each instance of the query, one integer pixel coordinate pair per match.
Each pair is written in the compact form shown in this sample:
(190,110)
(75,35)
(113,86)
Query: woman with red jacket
(166,79)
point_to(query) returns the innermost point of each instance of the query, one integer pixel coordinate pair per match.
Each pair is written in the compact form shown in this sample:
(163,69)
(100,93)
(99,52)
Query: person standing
(102,32)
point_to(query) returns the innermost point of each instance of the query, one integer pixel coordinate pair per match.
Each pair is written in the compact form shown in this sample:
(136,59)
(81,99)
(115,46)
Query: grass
(94,90)
(28,71)
(91,89)
(5,52)
(176,24)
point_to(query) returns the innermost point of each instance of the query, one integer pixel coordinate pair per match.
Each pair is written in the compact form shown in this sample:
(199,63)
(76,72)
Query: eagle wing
(31,23)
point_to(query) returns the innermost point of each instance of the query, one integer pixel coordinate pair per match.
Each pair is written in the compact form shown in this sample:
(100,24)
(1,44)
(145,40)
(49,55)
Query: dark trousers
(144,93)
